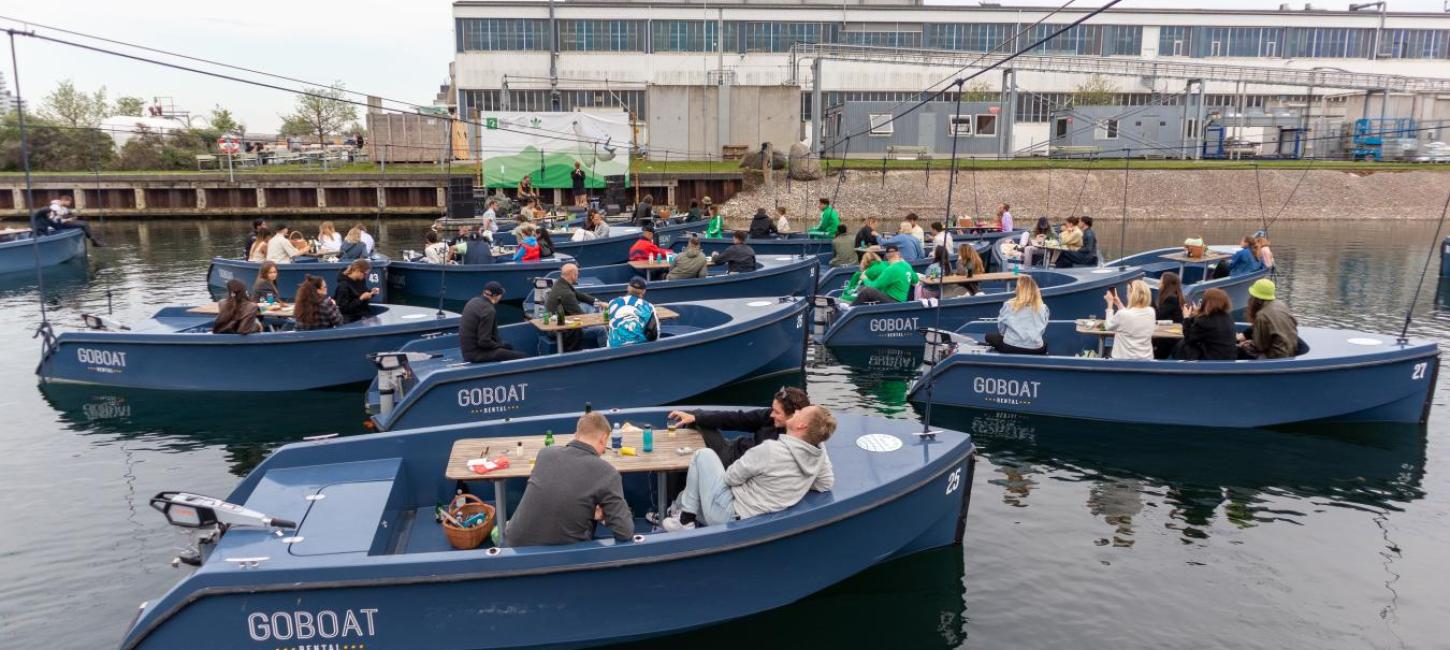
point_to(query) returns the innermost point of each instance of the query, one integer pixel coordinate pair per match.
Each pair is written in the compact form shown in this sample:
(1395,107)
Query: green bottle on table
(549,438)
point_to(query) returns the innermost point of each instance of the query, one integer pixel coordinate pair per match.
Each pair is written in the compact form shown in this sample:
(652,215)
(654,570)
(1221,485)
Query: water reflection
(1201,474)
(914,602)
(880,377)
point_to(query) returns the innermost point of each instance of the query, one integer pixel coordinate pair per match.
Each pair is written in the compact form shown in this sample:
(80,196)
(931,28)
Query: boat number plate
(1364,340)
(879,442)
(760,303)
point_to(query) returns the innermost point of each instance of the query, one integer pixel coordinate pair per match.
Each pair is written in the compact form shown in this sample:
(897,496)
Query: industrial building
(693,75)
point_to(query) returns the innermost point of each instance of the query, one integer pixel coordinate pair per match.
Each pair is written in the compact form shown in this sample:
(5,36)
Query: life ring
(228,144)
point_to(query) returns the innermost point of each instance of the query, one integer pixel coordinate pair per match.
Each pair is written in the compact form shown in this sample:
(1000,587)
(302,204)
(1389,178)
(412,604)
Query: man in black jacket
(564,295)
(761,424)
(761,226)
(866,236)
(644,212)
(478,330)
(738,258)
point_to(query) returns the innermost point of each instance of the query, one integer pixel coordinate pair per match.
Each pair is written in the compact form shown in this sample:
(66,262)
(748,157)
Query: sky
(395,49)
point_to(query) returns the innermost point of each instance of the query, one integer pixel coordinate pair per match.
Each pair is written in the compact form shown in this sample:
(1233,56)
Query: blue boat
(1068,293)
(18,255)
(712,343)
(460,282)
(614,248)
(290,275)
(175,350)
(1194,277)
(1371,378)
(363,563)
(779,275)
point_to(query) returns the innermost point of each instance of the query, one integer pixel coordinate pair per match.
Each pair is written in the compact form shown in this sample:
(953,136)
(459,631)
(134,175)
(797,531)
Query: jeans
(706,494)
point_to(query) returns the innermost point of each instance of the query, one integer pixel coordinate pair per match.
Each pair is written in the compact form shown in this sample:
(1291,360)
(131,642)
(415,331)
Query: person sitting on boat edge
(1085,255)
(826,228)
(352,295)
(315,310)
(259,245)
(870,267)
(910,247)
(478,337)
(1169,306)
(265,286)
(762,424)
(353,246)
(716,227)
(769,477)
(1208,329)
(58,217)
(631,319)
(528,249)
(564,295)
(434,251)
(1021,321)
(690,263)
(1245,260)
(236,314)
(761,226)
(844,248)
(644,249)
(894,282)
(1133,324)
(280,248)
(738,258)
(1273,332)
(570,489)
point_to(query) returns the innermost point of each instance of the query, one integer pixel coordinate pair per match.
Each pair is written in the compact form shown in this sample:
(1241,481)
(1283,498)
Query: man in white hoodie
(770,477)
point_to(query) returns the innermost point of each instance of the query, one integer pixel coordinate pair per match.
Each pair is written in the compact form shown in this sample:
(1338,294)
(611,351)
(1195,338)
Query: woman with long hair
(1021,321)
(1208,329)
(1245,260)
(236,314)
(546,242)
(1266,256)
(265,286)
(941,266)
(329,242)
(1133,323)
(314,309)
(1032,240)
(258,253)
(969,263)
(353,246)
(1169,307)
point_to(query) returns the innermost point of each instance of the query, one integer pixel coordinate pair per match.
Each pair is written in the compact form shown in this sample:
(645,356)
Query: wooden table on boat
(667,457)
(649,266)
(215,308)
(1209,257)
(1092,328)
(1000,276)
(581,321)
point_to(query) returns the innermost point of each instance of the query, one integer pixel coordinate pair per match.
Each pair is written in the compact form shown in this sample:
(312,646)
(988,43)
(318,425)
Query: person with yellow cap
(1273,333)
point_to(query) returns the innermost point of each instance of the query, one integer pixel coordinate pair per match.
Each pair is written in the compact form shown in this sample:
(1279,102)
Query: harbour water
(1080,535)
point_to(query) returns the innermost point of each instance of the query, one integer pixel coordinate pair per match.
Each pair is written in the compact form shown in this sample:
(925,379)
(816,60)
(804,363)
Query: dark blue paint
(290,275)
(781,276)
(465,281)
(18,255)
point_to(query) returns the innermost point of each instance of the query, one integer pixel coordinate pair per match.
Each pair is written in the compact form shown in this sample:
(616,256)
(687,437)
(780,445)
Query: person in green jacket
(870,267)
(826,229)
(892,285)
(716,229)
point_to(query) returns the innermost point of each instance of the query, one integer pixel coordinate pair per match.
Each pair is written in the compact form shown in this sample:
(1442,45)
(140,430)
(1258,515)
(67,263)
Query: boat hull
(289,276)
(671,369)
(1393,385)
(461,282)
(265,362)
(901,324)
(19,256)
(613,250)
(789,279)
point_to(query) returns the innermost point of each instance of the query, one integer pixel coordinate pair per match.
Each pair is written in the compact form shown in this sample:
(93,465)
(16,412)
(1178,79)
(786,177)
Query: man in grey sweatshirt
(771,477)
(570,489)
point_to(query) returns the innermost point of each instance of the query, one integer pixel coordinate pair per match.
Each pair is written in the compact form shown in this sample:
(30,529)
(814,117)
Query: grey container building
(926,131)
(1116,131)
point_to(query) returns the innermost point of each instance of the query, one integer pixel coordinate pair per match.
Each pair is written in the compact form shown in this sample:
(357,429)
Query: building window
(974,37)
(1106,130)
(601,35)
(684,36)
(779,37)
(1059,127)
(501,34)
(881,34)
(1414,44)
(959,125)
(881,124)
(542,100)
(985,125)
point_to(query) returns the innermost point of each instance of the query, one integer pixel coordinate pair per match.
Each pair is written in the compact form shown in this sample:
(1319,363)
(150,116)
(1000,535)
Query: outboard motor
(823,313)
(103,324)
(392,368)
(213,515)
(941,344)
(541,292)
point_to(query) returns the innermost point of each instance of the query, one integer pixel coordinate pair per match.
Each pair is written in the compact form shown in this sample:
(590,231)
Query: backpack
(628,318)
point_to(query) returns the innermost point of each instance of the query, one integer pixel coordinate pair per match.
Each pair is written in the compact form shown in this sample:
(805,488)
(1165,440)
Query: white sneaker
(673,525)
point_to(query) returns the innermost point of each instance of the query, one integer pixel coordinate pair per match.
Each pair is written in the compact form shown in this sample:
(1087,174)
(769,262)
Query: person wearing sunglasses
(761,424)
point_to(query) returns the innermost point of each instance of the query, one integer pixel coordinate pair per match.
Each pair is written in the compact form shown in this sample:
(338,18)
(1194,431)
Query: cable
(1434,245)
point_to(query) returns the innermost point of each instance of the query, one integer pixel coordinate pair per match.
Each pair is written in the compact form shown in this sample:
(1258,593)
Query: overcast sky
(395,49)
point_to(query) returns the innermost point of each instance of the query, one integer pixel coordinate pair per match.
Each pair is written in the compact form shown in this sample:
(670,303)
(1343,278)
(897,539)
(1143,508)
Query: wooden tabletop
(1174,331)
(6,232)
(215,308)
(664,458)
(644,265)
(592,319)
(1208,256)
(980,277)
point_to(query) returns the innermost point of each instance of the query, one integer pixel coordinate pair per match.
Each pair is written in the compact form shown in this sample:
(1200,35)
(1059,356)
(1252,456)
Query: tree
(132,106)
(222,122)
(67,106)
(323,111)
(1096,90)
(54,147)
(294,126)
(979,91)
